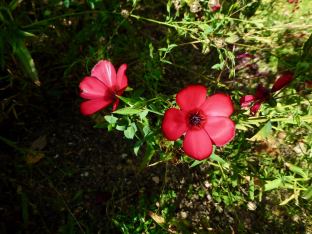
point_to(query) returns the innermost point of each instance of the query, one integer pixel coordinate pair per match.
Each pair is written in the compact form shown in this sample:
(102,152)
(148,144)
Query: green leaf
(149,135)
(122,124)
(307,48)
(148,155)
(129,132)
(13,4)
(272,185)
(66,2)
(296,169)
(308,193)
(143,114)
(127,111)
(111,118)
(251,189)
(101,125)
(263,133)
(201,192)
(165,61)
(24,208)
(24,56)
(126,100)
(146,130)
(217,158)
(137,146)
(196,162)
(77,194)
(149,65)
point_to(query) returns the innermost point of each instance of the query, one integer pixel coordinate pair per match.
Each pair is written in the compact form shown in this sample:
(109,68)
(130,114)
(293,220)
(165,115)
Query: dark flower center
(196,119)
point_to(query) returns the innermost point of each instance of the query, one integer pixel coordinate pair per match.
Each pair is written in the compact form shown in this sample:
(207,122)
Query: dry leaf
(39,144)
(33,157)
(157,219)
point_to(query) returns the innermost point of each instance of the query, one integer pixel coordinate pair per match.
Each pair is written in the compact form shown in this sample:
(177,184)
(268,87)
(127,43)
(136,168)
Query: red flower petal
(255,108)
(191,97)
(197,144)
(105,72)
(92,88)
(246,55)
(262,92)
(309,84)
(216,7)
(94,105)
(247,100)
(281,82)
(220,129)
(115,105)
(218,105)
(122,80)
(175,124)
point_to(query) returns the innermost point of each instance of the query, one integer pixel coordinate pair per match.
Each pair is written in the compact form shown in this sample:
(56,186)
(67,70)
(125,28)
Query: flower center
(196,118)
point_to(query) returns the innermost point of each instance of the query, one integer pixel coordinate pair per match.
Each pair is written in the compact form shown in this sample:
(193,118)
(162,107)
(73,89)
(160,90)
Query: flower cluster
(205,121)
(102,87)
(262,94)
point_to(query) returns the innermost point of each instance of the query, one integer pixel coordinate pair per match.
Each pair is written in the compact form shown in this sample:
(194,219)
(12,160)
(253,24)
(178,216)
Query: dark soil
(84,166)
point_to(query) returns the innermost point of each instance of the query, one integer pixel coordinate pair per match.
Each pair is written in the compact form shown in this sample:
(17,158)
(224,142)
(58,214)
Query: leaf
(127,111)
(126,100)
(66,2)
(264,133)
(24,208)
(146,130)
(307,48)
(217,158)
(308,193)
(129,132)
(296,169)
(196,162)
(39,143)
(157,219)
(201,193)
(122,124)
(148,155)
(24,56)
(165,61)
(272,184)
(77,194)
(143,114)
(111,119)
(137,146)
(32,158)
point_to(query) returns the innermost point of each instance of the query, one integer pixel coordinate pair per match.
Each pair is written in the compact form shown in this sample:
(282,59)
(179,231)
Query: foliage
(47,47)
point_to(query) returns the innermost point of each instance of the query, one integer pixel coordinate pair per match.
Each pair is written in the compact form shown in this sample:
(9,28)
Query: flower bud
(125,14)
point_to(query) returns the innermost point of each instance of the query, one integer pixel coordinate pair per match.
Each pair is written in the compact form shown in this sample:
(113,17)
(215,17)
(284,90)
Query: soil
(88,174)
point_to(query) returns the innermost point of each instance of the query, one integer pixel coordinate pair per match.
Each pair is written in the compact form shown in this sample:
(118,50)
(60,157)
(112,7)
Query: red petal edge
(175,124)
(197,144)
(191,97)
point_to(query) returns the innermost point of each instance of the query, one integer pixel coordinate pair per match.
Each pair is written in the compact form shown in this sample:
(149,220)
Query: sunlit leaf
(296,169)
(272,184)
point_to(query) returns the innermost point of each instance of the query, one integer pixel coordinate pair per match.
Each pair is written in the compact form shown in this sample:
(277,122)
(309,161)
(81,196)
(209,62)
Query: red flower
(102,87)
(246,55)
(218,6)
(204,121)
(262,94)
(309,84)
